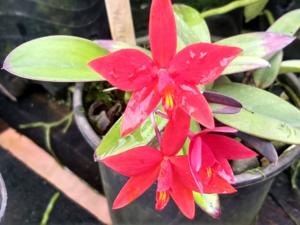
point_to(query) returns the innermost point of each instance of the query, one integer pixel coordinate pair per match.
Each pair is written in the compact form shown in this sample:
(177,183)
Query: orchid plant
(178,93)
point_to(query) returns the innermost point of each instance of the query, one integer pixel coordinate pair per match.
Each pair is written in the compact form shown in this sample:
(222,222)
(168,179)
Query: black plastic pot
(237,209)
(3,197)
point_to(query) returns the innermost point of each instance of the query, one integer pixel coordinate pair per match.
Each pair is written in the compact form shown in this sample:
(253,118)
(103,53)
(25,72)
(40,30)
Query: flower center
(162,199)
(209,171)
(169,101)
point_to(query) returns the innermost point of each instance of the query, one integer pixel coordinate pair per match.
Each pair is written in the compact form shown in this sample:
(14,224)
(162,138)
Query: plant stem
(227,8)
(268,14)
(49,208)
(47,129)
(161,114)
(155,127)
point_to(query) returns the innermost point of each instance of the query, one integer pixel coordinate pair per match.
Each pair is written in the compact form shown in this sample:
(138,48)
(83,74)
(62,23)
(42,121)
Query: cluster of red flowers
(172,79)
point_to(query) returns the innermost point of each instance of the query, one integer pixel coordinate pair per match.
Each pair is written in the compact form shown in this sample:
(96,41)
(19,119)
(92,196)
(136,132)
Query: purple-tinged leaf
(259,44)
(113,46)
(245,63)
(222,104)
(215,97)
(224,109)
(209,203)
(266,148)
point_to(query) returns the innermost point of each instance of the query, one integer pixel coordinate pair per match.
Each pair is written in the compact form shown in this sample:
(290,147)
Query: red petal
(182,172)
(215,184)
(228,148)
(127,69)
(195,153)
(202,63)
(134,161)
(211,181)
(162,32)
(175,132)
(226,171)
(162,200)
(140,105)
(183,197)
(134,188)
(208,157)
(192,101)
(165,176)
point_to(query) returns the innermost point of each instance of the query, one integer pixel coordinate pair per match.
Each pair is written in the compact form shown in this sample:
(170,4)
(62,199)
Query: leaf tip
(276,41)
(7,65)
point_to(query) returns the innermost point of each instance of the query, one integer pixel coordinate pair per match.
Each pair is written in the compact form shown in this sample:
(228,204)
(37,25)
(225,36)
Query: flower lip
(165,81)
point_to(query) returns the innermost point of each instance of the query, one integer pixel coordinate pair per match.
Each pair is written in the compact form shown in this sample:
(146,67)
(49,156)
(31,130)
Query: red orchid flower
(208,157)
(144,165)
(167,76)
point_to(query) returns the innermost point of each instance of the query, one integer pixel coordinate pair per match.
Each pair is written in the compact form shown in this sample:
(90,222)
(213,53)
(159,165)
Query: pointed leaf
(245,63)
(221,103)
(191,27)
(266,148)
(263,78)
(214,97)
(258,44)
(209,203)
(112,143)
(288,24)
(262,110)
(290,66)
(55,58)
(254,10)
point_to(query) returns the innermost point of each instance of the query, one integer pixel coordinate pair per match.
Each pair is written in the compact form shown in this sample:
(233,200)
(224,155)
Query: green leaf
(113,46)
(288,24)
(254,10)
(209,203)
(263,78)
(263,115)
(55,58)
(245,63)
(290,66)
(258,44)
(191,27)
(112,143)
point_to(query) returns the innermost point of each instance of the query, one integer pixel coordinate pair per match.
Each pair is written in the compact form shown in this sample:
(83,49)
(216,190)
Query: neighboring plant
(177,93)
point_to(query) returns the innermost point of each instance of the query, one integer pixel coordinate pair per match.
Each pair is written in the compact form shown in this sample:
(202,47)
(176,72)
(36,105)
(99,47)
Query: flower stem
(161,114)
(155,127)
(227,8)
(49,208)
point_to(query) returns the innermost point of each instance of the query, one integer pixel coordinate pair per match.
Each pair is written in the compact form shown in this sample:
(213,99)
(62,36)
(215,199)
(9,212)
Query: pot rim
(3,197)
(244,179)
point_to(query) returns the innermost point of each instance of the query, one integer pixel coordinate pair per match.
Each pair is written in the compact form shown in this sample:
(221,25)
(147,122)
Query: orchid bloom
(167,77)
(208,157)
(144,165)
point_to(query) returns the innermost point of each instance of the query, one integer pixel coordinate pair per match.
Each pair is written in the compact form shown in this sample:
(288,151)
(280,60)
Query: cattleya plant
(177,93)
